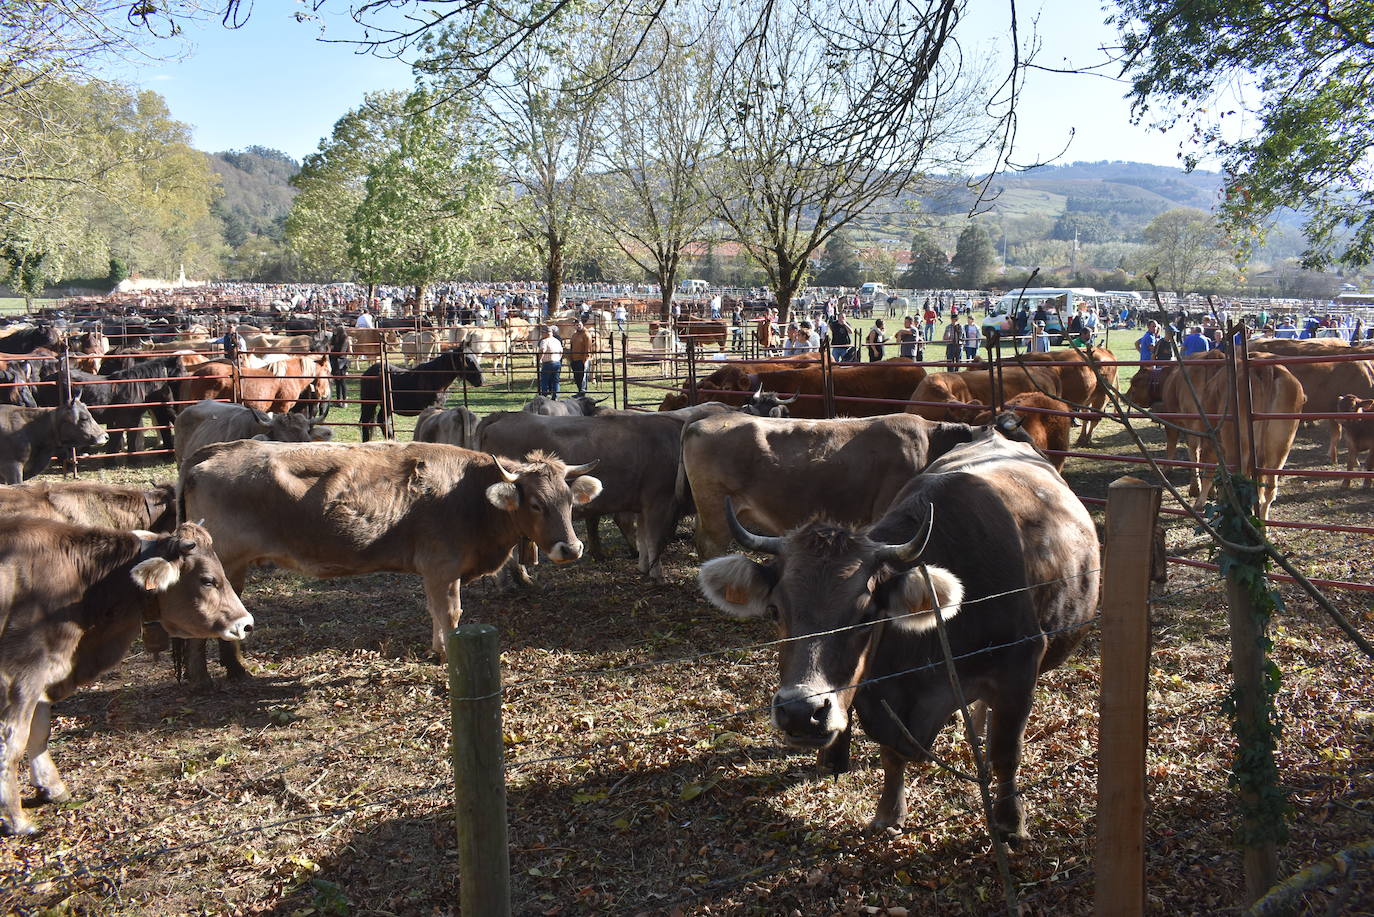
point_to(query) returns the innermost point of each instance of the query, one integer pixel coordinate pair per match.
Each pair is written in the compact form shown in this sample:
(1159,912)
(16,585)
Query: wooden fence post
(624,371)
(1132,506)
(479,778)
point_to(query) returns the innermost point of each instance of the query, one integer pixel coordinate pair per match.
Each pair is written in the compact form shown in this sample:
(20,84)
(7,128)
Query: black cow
(108,397)
(859,616)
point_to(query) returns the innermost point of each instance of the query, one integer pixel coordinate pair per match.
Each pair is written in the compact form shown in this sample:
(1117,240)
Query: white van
(694,287)
(873,291)
(1059,305)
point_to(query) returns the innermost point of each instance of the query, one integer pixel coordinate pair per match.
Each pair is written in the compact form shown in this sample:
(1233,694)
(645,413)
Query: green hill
(257,193)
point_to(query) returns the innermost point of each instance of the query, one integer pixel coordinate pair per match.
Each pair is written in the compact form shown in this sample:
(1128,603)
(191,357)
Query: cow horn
(907,553)
(579,470)
(758,393)
(505,475)
(764,544)
(789,400)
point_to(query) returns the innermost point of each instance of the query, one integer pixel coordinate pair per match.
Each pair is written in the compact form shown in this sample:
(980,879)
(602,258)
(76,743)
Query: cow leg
(1368,466)
(14,739)
(11,472)
(594,538)
(713,533)
(1333,430)
(892,804)
(628,525)
(1170,443)
(46,778)
(197,670)
(655,528)
(231,657)
(445,608)
(1006,733)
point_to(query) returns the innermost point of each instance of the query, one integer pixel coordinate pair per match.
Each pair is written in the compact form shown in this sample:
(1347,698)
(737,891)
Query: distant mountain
(257,193)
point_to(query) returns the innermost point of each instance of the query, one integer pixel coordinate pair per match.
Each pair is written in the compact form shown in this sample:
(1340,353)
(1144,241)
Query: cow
(331,509)
(120,399)
(456,427)
(72,601)
(369,342)
(92,503)
(30,436)
(1048,432)
(781,473)
(1273,390)
(638,455)
(1012,557)
(1358,434)
(1078,383)
(419,345)
(480,342)
(966,392)
(866,390)
(1164,390)
(576,406)
(207,422)
(15,388)
(1325,383)
(703,331)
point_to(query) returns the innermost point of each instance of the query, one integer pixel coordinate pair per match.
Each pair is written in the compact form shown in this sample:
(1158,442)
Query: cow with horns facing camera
(990,538)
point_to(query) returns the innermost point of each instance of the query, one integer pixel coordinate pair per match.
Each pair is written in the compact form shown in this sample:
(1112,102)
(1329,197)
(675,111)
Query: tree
(841,266)
(332,184)
(974,257)
(1307,110)
(424,203)
(809,145)
(1185,247)
(656,151)
(929,265)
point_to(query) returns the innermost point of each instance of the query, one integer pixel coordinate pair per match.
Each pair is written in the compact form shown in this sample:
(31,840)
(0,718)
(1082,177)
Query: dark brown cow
(974,387)
(30,436)
(1078,382)
(867,390)
(329,509)
(703,331)
(91,503)
(72,601)
(1048,432)
(1357,433)
(858,617)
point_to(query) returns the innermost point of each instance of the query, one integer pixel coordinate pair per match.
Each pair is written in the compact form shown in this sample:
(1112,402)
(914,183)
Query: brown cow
(703,331)
(73,599)
(866,390)
(329,509)
(113,506)
(1165,390)
(974,387)
(264,389)
(30,436)
(1048,432)
(1357,433)
(1078,383)
(207,422)
(1325,383)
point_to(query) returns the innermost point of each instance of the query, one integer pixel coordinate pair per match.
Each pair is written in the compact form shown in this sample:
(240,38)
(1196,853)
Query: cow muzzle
(809,716)
(238,629)
(566,552)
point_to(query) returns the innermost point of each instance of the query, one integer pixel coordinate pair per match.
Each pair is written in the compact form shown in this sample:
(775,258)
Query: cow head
(539,494)
(194,597)
(830,590)
(77,428)
(767,404)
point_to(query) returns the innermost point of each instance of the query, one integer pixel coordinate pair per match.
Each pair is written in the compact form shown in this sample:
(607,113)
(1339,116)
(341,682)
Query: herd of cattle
(869,523)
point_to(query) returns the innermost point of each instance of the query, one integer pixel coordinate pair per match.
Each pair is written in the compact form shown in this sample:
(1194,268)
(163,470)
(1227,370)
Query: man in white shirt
(365,319)
(550,363)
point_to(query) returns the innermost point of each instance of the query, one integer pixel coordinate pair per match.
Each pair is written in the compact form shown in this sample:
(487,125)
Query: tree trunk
(667,283)
(553,272)
(420,289)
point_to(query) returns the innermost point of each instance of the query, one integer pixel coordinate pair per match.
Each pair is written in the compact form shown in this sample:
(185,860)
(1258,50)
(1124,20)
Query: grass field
(323,785)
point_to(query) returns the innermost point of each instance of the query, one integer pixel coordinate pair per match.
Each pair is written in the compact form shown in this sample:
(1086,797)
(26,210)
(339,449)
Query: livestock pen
(643,776)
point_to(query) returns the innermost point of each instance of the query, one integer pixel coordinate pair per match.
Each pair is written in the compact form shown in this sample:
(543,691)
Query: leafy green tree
(119,271)
(929,265)
(841,266)
(423,205)
(1306,109)
(1186,247)
(332,184)
(974,257)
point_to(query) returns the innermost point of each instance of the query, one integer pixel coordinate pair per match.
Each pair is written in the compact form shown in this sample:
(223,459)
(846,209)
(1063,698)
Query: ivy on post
(1264,806)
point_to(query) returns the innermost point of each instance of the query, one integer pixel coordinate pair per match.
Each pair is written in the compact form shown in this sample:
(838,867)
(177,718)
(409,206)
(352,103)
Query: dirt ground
(643,777)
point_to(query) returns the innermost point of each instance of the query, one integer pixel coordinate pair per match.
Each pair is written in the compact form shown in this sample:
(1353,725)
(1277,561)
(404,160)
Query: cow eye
(537,507)
(773,612)
(209,582)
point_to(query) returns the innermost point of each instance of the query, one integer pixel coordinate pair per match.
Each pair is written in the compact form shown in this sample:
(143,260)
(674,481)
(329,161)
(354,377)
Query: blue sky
(272,83)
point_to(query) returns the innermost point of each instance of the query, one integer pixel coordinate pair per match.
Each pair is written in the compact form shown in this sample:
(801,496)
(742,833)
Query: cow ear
(505,496)
(155,574)
(320,433)
(585,489)
(911,607)
(736,585)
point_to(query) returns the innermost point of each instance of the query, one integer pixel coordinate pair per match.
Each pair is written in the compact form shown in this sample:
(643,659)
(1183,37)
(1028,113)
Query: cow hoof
(880,827)
(202,687)
(238,674)
(19,828)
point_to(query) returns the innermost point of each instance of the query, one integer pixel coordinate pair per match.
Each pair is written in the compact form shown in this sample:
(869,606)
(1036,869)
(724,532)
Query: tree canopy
(928,268)
(1186,249)
(974,257)
(1280,93)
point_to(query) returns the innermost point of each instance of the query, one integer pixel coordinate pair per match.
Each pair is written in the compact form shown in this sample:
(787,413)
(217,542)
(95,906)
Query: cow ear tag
(736,595)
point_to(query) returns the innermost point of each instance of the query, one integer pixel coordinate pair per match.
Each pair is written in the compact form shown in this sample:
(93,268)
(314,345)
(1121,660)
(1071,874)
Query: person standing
(620,316)
(841,338)
(954,340)
(972,336)
(907,339)
(550,363)
(1040,341)
(580,348)
(365,319)
(877,336)
(1196,342)
(1146,343)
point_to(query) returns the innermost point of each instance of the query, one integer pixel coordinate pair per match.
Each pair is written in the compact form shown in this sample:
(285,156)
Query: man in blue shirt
(1147,341)
(1195,342)
(1286,329)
